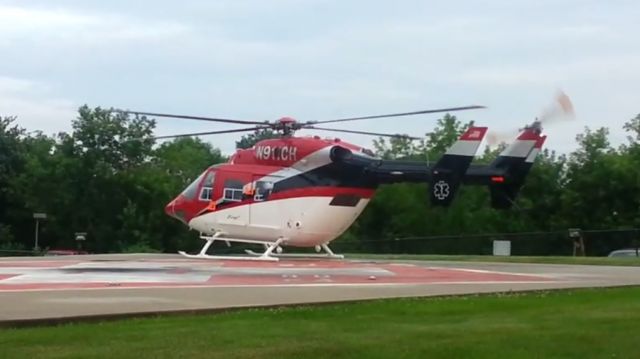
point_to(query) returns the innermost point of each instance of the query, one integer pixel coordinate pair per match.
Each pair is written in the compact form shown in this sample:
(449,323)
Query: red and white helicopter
(306,191)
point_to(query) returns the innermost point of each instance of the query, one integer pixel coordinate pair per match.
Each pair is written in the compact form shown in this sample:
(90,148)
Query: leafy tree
(105,146)
(185,158)
(540,199)
(12,161)
(110,140)
(587,201)
(395,148)
(7,240)
(42,186)
(448,129)
(633,126)
(628,170)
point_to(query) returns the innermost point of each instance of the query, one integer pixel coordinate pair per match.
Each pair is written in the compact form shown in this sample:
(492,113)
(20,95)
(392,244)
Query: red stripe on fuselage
(366,193)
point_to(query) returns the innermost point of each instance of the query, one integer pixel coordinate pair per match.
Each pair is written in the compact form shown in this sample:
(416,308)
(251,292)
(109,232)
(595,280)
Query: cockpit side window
(207,186)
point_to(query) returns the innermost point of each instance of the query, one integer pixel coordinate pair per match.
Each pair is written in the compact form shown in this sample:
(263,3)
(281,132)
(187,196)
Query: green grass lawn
(510,259)
(590,323)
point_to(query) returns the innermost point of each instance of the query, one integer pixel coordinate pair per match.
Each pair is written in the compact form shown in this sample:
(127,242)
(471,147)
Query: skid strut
(330,253)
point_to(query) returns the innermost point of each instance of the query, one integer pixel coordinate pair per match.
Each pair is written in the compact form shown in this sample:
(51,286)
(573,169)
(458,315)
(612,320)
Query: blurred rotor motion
(559,110)
(286,126)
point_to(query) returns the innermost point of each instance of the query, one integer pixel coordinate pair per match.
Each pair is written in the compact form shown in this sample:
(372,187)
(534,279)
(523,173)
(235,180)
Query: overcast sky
(316,60)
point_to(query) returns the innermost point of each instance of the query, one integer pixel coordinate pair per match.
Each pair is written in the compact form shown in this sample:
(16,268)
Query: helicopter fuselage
(304,220)
(281,188)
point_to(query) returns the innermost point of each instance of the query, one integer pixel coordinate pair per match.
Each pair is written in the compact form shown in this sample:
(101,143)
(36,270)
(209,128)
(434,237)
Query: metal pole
(35,248)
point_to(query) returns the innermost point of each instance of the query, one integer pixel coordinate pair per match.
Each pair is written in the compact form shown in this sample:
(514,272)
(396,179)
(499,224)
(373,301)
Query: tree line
(108,177)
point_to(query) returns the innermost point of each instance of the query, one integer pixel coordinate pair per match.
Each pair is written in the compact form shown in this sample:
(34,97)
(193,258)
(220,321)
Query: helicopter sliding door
(264,212)
(231,212)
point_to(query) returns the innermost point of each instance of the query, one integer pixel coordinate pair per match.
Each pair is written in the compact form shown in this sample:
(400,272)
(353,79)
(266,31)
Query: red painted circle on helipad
(77,274)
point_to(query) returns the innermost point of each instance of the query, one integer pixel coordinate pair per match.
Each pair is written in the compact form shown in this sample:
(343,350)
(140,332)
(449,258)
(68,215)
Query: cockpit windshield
(191,191)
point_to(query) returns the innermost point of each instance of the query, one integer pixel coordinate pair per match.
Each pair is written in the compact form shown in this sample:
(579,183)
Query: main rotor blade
(364,132)
(211,132)
(199,118)
(451,109)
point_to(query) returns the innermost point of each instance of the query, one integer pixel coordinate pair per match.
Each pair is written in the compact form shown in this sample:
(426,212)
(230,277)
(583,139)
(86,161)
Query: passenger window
(233,194)
(262,191)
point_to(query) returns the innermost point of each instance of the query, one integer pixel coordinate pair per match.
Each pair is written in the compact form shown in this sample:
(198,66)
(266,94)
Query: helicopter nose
(175,209)
(170,208)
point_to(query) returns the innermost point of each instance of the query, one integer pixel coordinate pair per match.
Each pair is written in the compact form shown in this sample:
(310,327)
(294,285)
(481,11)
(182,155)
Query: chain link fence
(557,243)
(18,253)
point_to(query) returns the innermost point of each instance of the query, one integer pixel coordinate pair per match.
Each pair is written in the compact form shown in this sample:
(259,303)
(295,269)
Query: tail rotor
(559,110)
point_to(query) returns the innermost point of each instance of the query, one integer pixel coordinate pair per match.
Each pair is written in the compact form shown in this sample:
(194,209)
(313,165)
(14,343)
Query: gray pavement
(52,304)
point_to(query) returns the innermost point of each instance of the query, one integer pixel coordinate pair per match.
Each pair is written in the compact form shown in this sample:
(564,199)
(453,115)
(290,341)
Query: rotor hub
(286,120)
(287,125)
(536,126)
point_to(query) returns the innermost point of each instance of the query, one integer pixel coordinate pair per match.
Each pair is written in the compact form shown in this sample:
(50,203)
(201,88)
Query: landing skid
(259,257)
(328,254)
(266,256)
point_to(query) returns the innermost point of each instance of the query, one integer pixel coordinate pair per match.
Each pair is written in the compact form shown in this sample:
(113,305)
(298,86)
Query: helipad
(74,286)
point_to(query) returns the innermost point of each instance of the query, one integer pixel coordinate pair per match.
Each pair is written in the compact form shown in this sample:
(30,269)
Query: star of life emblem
(441,190)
